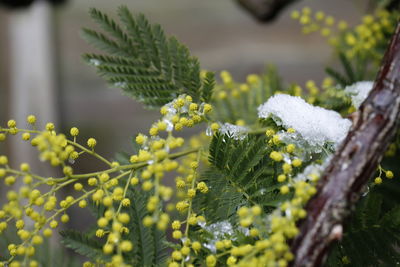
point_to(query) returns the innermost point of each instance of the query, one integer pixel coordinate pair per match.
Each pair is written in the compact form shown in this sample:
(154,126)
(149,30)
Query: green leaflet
(82,244)
(371,236)
(143,62)
(149,243)
(242,173)
(220,203)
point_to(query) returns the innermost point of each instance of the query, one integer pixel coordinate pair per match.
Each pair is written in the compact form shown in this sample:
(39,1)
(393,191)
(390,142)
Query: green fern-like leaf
(143,62)
(371,237)
(150,248)
(245,173)
(82,244)
(208,86)
(220,203)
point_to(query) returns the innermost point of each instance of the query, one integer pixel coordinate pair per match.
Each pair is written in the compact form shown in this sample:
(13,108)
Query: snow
(94,62)
(359,92)
(219,230)
(316,125)
(236,132)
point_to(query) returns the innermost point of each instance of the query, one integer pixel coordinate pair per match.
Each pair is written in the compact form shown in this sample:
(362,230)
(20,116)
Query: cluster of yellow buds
(53,147)
(155,149)
(388,174)
(319,22)
(272,249)
(43,210)
(284,156)
(230,89)
(367,38)
(181,112)
(236,100)
(187,189)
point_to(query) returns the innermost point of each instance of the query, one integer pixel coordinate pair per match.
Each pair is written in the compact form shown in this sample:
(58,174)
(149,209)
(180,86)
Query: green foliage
(371,237)
(82,244)
(222,201)
(141,60)
(151,245)
(241,173)
(208,86)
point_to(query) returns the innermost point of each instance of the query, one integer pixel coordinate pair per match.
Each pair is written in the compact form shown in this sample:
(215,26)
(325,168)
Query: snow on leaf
(237,132)
(316,125)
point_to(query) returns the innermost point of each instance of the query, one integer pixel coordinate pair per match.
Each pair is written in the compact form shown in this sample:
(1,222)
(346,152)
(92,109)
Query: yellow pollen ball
(12,124)
(284,190)
(389,174)
(276,156)
(74,131)
(140,139)
(207,108)
(31,119)
(91,142)
(378,180)
(50,126)
(177,234)
(26,136)
(296,162)
(281,178)
(196,245)
(290,148)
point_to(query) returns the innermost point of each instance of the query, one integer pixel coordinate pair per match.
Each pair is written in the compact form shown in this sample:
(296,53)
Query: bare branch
(353,164)
(265,10)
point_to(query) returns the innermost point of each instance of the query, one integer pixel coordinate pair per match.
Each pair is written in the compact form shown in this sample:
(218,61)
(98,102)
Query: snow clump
(316,125)
(359,92)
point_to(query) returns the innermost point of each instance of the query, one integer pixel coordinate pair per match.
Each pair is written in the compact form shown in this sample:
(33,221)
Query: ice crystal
(219,230)
(236,132)
(94,62)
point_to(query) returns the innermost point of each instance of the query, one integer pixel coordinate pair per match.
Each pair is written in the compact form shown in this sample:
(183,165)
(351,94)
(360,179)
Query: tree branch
(265,10)
(353,164)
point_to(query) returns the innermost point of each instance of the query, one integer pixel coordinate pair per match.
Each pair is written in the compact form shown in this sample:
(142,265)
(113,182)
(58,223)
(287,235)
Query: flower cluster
(37,211)
(364,40)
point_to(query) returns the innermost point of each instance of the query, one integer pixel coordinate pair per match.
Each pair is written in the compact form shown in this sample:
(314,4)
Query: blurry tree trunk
(32,74)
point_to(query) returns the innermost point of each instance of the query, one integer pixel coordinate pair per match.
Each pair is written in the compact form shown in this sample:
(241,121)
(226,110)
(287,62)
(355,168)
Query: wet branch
(375,123)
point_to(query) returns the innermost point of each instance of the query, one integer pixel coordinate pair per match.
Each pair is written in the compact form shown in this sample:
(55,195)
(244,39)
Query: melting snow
(359,92)
(237,132)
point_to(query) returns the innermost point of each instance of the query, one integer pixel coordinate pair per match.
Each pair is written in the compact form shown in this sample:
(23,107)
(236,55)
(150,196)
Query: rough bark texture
(265,10)
(353,164)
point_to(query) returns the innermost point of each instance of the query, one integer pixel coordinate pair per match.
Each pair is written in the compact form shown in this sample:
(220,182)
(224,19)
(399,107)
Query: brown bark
(353,164)
(264,10)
